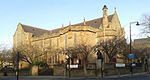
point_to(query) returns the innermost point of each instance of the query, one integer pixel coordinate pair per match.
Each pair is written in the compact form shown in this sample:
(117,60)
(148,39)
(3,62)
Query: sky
(51,14)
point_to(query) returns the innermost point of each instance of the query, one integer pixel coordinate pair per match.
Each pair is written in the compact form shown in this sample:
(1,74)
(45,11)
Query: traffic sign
(131,56)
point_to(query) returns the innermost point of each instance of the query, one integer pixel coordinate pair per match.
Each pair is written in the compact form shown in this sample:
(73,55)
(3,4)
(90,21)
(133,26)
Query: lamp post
(100,60)
(65,64)
(137,23)
(69,63)
(17,73)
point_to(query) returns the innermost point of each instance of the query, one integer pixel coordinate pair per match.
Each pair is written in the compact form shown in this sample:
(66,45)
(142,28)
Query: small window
(65,41)
(75,38)
(57,42)
(50,43)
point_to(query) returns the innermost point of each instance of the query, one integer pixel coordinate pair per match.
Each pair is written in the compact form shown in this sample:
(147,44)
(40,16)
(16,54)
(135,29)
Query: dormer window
(33,29)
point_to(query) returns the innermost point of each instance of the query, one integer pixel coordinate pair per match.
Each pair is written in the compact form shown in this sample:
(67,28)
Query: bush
(40,63)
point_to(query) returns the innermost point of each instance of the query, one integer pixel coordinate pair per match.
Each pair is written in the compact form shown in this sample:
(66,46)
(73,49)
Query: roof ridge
(87,21)
(92,20)
(24,25)
(141,39)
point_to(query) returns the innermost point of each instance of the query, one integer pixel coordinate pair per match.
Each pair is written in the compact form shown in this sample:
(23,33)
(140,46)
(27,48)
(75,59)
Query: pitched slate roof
(35,31)
(94,23)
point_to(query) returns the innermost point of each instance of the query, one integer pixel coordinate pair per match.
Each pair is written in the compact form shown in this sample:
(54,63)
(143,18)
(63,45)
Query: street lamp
(17,73)
(100,60)
(137,23)
(67,65)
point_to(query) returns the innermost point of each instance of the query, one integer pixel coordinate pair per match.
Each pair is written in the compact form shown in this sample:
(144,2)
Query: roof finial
(62,25)
(69,28)
(84,23)
(115,9)
(105,11)
(105,7)
(69,23)
(19,23)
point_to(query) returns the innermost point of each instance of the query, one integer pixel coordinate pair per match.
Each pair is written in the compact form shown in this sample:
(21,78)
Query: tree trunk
(85,65)
(84,68)
(109,59)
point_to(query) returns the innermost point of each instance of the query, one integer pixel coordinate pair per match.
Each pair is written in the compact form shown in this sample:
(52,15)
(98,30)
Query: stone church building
(89,32)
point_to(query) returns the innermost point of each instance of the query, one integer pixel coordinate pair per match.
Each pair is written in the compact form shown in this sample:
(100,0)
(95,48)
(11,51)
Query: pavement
(137,76)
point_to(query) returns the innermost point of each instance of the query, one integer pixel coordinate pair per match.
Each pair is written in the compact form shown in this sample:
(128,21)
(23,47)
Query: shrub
(40,63)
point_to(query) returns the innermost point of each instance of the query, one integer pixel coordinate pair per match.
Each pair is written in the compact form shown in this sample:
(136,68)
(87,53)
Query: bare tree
(29,53)
(82,51)
(50,53)
(5,57)
(112,47)
(146,24)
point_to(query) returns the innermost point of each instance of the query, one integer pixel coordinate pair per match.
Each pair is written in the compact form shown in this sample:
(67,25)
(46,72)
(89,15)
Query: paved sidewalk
(125,75)
(139,76)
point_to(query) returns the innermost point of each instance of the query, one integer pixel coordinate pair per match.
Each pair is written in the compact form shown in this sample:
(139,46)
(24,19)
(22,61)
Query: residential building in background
(141,43)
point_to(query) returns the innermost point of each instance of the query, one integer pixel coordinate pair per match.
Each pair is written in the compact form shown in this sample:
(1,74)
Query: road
(134,77)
